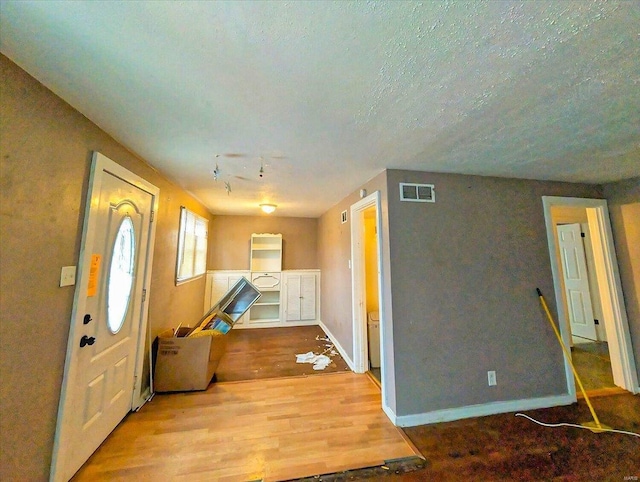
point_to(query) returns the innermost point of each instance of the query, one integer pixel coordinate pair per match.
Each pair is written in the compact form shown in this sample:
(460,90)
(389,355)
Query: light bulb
(268,208)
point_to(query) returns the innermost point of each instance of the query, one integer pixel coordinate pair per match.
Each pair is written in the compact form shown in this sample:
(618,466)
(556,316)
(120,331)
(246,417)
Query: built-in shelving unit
(292,298)
(289,298)
(266,252)
(266,267)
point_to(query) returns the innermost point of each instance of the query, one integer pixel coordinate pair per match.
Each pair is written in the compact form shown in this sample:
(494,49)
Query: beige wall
(334,253)
(230,240)
(568,215)
(624,209)
(45,160)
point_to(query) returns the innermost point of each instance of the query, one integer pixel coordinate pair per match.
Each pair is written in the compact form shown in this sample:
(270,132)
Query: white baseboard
(391,414)
(492,408)
(338,346)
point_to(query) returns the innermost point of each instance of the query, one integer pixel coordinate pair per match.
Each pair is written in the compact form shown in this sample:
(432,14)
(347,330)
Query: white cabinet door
(308,297)
(293,298)
(301,297)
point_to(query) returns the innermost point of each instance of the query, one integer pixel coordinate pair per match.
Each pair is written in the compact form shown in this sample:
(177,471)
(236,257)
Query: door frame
(358,284)
(99,165)
(615,320)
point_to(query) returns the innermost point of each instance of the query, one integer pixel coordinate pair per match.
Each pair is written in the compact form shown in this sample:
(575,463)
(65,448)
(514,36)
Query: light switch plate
(491,378)
(68,276)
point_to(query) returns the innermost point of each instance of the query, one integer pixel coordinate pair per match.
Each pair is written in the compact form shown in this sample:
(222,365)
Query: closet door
(307,297)
(301,303)
(293,298)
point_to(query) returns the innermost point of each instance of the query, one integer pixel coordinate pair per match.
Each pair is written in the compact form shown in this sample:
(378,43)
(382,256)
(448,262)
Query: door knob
(87,340)
(87,318)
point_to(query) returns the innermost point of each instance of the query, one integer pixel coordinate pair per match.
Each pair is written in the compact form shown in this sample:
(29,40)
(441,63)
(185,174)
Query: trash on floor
(320,362)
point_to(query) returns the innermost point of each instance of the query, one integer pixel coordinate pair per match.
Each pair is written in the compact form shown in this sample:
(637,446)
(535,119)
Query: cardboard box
(187,363)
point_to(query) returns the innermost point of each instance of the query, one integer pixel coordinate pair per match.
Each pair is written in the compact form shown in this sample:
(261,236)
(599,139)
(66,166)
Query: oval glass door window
(120,280)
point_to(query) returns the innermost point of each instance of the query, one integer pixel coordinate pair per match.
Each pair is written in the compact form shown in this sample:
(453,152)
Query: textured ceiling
(325,95)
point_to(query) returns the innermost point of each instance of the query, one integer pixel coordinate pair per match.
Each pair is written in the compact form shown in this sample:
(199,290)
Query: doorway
(106,357)
(607,284)
(371,291)
(589,347)
(367,279)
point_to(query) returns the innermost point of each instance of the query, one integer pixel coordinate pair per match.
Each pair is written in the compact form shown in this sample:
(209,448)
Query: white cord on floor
(596,430)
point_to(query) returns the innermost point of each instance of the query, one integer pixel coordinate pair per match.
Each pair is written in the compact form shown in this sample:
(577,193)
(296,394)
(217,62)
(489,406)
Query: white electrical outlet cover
(491,378)
(68,276)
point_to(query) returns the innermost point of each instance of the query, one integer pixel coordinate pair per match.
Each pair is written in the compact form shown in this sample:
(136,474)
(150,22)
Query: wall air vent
(417,193)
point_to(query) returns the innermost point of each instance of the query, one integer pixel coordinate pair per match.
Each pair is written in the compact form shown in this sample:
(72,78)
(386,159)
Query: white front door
(106,339)
(576,281)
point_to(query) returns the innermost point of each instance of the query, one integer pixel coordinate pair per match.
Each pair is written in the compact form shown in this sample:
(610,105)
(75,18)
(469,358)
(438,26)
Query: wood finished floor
(593,364)
(184,436)
(271,353)
(274,429)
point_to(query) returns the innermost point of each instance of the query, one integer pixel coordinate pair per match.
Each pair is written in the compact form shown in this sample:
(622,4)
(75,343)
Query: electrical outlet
(491,378)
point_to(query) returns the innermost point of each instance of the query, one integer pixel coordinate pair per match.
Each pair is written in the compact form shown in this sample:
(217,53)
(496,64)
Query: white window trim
(188,239)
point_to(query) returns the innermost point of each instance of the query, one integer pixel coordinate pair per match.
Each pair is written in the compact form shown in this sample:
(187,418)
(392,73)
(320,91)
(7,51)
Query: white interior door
(106,342)
(576,281)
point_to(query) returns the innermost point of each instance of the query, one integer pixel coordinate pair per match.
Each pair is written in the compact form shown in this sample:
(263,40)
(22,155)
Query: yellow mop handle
(568,355)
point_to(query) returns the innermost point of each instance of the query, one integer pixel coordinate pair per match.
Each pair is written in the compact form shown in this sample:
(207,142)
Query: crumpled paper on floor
(320,362)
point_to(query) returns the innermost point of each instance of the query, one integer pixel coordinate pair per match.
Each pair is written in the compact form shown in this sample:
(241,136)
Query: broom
(595,425)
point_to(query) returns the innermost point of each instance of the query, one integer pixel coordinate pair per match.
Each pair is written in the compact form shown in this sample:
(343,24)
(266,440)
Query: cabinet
(289,298)
(267,308)
(301,296)
(217,285)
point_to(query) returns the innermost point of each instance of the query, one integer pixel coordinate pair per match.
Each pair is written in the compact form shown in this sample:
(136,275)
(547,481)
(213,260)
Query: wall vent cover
(417,193)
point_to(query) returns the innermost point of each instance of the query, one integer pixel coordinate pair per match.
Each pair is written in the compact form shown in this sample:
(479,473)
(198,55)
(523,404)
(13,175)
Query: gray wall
(460,279)
(463,276)
(45,158)
(623,199)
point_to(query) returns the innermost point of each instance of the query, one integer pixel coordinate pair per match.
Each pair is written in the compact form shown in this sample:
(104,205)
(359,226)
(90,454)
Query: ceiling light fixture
(268,208)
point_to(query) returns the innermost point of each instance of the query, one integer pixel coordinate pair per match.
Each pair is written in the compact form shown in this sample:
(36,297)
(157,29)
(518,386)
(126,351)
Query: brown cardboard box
(187,363)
